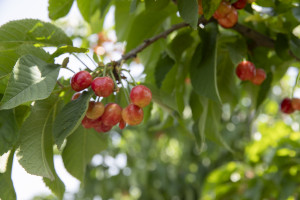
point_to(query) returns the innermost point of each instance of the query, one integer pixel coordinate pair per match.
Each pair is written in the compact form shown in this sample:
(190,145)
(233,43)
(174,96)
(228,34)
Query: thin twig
(60,85)
(81,61)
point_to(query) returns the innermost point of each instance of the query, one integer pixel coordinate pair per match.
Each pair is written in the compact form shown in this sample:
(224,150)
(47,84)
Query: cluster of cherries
(103,118)
(226,14)
(288,105)
(246,71)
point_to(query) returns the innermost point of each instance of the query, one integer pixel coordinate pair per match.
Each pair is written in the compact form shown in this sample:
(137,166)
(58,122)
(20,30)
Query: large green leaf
(70,117)
(7,190)
(32,79)
(86,8)
(188,10)
(8,130)
(59,8)
(31,31)
(81,146)
(209,7)
(145,25)
(9,57)
(163,66)
(156,5)
(203,70)
(295,46)
(36,143)
(180,43)
(264,90)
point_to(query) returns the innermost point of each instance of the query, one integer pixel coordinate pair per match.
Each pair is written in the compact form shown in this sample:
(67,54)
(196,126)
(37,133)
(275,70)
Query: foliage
(196,138)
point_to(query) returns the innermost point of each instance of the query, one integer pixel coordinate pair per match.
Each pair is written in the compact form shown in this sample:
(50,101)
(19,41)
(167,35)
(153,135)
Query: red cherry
(81,80)
(76,96)
(230,20)
(286,106)
(102,128)
(141,96)
(87,123)
(200,9)
(223,9)
(112,114)
(296,103)
(245,70)
(240,4)
(95,110)
(133,115)
(260,76)
(103,86)
(122,124)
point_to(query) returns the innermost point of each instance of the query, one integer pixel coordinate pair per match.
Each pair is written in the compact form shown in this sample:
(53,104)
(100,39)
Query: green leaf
(32,79)
(31,31)
(203,70)
(36,143)
(8,130)
(282,46)
(163,66)
(7,190)
(134,5)
(156,5)
(141,31)
(68,49)
(209,7)
(180,43)
(264,90)
(88,7)
(8,58)
(188,10)
(70,117)
(295,46)
(81,146)
(59,8)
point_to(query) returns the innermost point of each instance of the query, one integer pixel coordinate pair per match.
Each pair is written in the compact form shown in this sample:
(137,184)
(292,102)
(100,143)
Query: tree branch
(258,38)
(133,53)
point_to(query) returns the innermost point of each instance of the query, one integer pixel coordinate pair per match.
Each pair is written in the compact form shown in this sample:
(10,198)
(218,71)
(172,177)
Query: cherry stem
(134,83)
(296,83)
(125,92)
(113,77)
(81,61)
(91,60)
(69,69)
(104,71)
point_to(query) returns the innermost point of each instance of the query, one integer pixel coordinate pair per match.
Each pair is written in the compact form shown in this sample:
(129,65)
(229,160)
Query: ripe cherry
(102,128)
(81,80)
(200,9)
(286,106)
(296,103)
(245,70)
(240,4)
(95,110)
(103,86)
(87,123)
(226,15)
(259,77)
(141,96)
(122,124)
(132,114)
(112,114)
(76,96)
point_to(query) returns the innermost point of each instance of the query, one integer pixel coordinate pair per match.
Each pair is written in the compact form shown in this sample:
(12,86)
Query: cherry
(240,4)
(226,15)
(296,103)
(140,95)
(132,114)
(102,128)
(112,114)
(245,70)
(200,9)
(103,86)
(260,76)
(95,110)
(286,106)
(76,96)
(122,124)
(81,80)
(87,123)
